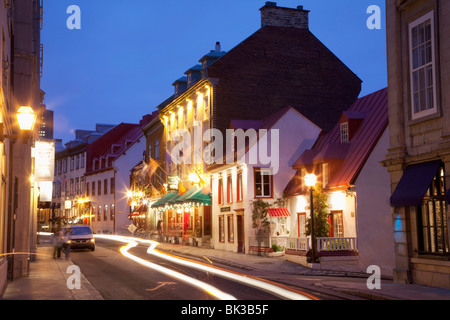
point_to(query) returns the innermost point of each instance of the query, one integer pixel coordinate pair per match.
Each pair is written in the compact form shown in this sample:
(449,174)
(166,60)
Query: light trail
(277,289)
(133,242)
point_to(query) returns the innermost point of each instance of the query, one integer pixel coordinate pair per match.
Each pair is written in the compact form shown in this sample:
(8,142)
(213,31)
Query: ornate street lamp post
(310,181)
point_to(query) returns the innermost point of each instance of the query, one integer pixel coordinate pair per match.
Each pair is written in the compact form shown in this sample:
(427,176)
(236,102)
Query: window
(422,66)
(72,160)
(239,191)
(111,212)
(72,187)
(157,149)
(229,190)
(337,225)
(206,108)
(325,174)
(105,213)
(220,191)
(432,219)
(77,162)
(344,132)
(65,165)
(230,226)
(301,224)
(87,189)
(93,188)
(149,151)
(82,160)
(112,187)
(99,187)
(221,229)
(99,213)
(263,183)
(105,186)
(77,186)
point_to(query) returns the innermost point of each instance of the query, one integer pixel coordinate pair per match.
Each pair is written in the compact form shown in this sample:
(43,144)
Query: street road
(117,277)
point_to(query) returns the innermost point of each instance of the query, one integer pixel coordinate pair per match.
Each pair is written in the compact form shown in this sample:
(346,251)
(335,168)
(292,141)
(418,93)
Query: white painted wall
(296,134)
(374,218)
(123,166)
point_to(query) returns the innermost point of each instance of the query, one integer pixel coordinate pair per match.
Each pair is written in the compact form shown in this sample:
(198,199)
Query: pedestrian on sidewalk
(57,241)
(67,237)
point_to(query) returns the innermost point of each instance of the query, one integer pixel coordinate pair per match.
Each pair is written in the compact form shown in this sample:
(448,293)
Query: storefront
(185,218)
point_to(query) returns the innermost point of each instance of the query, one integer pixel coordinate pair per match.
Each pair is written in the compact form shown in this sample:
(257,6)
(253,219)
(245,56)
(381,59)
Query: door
(240,234)
(207,220)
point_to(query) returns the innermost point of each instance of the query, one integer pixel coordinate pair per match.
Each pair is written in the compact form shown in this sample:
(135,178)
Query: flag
(153,165)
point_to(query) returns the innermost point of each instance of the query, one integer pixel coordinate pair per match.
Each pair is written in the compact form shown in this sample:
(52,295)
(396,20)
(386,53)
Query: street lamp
(310,181)
(26,119)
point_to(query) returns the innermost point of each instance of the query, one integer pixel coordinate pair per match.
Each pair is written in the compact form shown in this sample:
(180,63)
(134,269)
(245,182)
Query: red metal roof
(374,108)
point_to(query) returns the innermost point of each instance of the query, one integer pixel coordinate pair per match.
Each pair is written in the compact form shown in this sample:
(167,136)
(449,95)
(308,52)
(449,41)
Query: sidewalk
(48,281)
(48,277)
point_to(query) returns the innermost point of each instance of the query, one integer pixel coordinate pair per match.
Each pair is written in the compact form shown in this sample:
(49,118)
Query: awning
(187,194)
(278,212)
(165,199)
(140,209)
(199,197)
(414,184)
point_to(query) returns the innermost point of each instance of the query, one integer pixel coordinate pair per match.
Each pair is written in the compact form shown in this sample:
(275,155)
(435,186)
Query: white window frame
(344,132)
(412,25)
(266,178)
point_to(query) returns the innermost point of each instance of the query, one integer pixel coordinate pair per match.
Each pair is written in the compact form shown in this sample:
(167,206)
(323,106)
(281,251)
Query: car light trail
(133,242)
(277,289)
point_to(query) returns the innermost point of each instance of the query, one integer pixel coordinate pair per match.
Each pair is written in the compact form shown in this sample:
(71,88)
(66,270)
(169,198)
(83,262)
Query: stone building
(418,160)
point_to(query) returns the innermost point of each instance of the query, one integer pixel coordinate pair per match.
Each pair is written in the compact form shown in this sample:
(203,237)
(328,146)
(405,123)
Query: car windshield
(81,231)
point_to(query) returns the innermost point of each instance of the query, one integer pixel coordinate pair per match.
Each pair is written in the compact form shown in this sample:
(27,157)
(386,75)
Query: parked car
(81,237)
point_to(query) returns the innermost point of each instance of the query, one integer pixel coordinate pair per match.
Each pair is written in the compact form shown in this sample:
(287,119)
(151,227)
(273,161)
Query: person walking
(67,238)
(57,241)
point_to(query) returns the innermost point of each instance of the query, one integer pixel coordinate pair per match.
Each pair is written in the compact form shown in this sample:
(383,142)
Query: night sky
(122,62)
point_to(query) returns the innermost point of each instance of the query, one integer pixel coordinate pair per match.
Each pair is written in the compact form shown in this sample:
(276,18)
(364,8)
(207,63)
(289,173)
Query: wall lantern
(26,119)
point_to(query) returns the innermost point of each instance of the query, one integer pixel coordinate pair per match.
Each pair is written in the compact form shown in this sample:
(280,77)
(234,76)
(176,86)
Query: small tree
(320,206)
(259,216)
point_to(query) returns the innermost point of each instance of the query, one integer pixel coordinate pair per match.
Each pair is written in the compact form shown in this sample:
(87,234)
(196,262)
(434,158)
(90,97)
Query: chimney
(218,47)
(272,15)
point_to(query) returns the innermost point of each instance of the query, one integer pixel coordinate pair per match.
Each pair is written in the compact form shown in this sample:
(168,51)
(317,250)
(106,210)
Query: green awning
(199,197)
(190,192)
(165,200)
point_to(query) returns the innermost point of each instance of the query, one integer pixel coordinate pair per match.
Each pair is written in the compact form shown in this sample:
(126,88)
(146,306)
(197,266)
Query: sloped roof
(354,154)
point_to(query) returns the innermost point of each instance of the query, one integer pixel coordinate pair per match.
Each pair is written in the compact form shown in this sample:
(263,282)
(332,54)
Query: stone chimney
(272,15)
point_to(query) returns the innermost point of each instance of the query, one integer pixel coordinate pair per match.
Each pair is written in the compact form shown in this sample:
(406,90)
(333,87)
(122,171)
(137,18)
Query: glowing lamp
(310,180)
(194,178)
(26,118)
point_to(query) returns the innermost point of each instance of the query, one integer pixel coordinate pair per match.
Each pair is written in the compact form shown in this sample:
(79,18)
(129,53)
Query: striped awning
(278,212)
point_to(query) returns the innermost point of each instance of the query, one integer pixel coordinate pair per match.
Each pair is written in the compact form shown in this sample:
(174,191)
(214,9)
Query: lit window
(325,174)
(263,183)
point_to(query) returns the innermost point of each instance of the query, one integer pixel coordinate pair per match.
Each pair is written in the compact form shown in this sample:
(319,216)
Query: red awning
(278,212)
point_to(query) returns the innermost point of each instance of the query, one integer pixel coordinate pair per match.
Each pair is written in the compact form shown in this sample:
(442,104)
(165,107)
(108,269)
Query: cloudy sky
(122,62)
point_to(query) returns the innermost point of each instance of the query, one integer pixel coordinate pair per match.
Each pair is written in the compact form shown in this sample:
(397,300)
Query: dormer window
(344,132)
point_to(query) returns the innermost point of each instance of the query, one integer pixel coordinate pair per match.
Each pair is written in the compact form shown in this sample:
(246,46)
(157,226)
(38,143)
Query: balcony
(333,253)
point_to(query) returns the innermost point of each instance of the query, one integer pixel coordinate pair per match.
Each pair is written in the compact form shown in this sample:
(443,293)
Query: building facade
(238,185)
(418,159)
(69,203)
(20,26)
(347,164)
(259,77)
